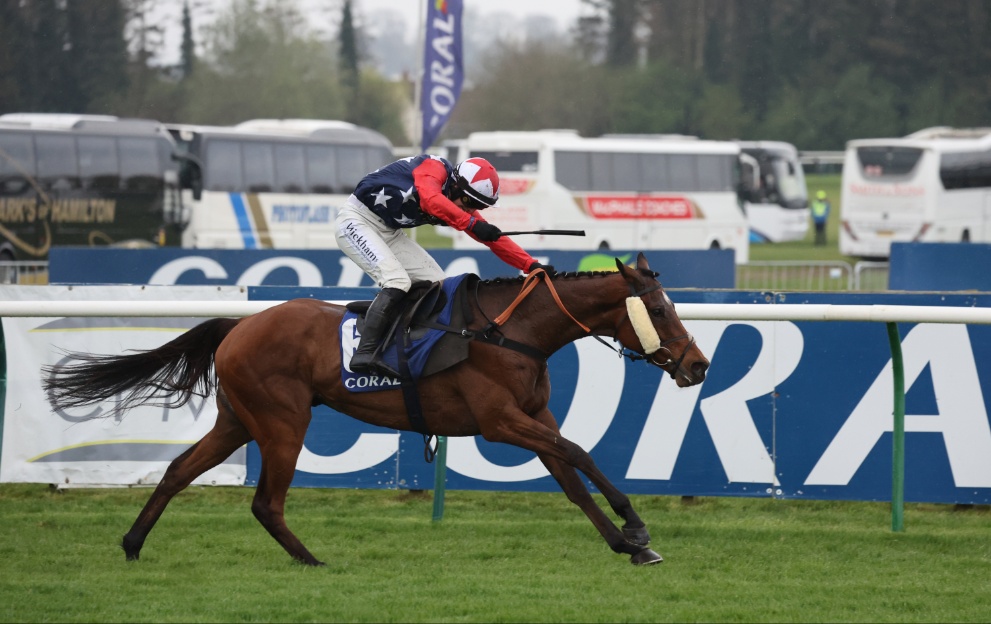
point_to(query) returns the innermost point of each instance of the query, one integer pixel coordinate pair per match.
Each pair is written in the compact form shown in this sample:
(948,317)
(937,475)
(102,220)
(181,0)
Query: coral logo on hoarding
(635,207)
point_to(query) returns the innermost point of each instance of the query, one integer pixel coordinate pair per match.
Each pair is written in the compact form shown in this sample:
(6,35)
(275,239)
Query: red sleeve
(429,178)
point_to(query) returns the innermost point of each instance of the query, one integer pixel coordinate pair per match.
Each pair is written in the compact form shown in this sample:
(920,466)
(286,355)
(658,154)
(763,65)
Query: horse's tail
(167,376)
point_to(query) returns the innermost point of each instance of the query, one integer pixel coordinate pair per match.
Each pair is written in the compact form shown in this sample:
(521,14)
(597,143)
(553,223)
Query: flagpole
(418,84)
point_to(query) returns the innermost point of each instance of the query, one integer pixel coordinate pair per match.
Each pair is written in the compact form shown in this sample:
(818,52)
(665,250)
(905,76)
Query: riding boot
(378,318)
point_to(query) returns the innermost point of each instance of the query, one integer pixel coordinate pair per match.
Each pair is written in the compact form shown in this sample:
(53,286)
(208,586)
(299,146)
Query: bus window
(877,162)
(522,162)
(259,167)
(351,167)
(571,169)
(16,162)
(98,166)
(223,166)
(57,162)
(321,169)
(684,175)
(626,172)
(654,174)
(140,169)
(960,170)
(715,173)
(290,169)
(602,174)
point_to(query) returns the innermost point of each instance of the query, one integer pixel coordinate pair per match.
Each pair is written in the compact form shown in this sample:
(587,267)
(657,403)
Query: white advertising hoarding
(85,446)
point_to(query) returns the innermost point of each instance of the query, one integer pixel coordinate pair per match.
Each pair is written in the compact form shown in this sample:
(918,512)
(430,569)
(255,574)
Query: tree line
(812,73)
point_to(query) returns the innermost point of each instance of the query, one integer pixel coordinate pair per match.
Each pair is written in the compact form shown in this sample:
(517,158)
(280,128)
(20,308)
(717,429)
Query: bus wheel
(6,256)
(966,237)
(604,246)
(715,245)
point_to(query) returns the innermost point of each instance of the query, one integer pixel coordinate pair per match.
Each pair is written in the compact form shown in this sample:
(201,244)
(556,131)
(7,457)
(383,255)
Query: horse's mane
(562,275)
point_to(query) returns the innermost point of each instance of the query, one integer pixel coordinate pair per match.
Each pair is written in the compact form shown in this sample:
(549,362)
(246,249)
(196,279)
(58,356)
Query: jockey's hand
(546,267)
(485,231)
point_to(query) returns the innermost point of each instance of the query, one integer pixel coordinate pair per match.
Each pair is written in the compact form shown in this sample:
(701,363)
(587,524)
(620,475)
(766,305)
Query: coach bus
(625,192)
(777,201)
(85,180)
(272,183)
(930,186)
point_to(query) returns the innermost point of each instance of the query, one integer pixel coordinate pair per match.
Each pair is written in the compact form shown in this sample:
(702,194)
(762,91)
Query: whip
(549,232)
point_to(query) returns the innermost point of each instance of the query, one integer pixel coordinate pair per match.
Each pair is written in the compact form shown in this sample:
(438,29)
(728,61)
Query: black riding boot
(377,321)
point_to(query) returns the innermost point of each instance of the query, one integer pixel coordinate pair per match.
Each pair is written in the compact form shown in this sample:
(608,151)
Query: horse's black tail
(167,376)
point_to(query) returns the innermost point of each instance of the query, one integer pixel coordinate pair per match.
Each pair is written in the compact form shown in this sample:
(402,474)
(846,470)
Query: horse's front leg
(634,529)
(578,494)
(561,457)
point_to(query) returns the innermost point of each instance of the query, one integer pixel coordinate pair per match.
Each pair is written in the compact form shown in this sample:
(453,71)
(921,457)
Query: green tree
(187,58)
(383,104)
(49,83)
(348,62)
(98,62)
(621,50)
(262,62)
(556,90)
(13,57)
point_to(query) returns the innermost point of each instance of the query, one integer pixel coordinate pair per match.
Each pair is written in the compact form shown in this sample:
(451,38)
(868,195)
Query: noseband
(650,357)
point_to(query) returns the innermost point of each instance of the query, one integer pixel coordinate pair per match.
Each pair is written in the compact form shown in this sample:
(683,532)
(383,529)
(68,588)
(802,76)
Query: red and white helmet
(478,180)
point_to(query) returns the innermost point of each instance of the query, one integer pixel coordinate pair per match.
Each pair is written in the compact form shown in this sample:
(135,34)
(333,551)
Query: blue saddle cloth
(418,347)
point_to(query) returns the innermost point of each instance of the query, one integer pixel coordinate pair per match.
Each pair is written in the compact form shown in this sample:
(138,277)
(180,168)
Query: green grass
(496,557)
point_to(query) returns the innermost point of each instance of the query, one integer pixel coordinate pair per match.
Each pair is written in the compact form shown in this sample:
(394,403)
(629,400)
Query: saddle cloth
(428,349)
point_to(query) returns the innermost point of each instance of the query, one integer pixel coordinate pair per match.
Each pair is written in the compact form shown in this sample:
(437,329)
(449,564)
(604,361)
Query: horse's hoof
(637,535)
(131,551)
(646,557)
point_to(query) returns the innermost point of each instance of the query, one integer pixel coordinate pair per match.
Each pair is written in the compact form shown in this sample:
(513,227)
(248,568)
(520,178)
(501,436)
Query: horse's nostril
(699,368)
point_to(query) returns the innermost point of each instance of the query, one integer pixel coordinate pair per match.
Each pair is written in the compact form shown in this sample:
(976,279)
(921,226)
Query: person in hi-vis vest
(820,214)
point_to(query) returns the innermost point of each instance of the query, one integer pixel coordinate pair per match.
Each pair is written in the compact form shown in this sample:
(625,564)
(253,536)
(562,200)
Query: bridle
(531,282)
(650,357)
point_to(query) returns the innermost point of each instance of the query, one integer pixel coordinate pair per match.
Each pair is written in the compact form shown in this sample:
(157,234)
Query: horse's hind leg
(278,467)
(227,435)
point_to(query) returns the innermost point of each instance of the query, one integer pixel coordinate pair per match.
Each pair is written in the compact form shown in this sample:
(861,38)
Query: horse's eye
(658,312)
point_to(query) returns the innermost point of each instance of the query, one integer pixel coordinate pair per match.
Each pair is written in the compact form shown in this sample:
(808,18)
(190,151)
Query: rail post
(440,478)
(897,432)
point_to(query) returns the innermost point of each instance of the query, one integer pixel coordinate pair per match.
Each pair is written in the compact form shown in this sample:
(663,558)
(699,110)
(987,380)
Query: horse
(270,368)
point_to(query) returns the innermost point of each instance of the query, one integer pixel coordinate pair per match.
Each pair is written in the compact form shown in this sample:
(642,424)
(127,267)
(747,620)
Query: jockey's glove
(485,231)
(546,267)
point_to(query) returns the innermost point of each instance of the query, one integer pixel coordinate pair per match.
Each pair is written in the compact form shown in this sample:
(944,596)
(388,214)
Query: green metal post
(440,478)
(3,381)
(898,432)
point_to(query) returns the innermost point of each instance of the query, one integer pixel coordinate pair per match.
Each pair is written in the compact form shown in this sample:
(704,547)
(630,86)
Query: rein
(528,285)
(531,282)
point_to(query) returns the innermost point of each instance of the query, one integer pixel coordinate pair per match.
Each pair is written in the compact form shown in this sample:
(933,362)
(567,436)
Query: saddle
(427,337)
(427,330)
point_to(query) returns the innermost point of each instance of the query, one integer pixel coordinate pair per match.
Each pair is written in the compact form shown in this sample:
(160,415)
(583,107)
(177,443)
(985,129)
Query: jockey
(420,190)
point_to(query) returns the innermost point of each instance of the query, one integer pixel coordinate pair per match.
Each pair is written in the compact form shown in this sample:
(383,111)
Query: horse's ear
(642,262)
(632,277)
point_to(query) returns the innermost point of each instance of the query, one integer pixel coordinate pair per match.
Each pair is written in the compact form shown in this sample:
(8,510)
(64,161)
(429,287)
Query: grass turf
(496,557)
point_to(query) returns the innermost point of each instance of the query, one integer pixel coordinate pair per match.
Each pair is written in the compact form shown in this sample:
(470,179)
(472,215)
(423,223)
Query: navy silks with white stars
(390,194)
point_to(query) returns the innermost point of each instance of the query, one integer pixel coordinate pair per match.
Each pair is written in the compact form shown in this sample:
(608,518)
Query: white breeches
(388,256)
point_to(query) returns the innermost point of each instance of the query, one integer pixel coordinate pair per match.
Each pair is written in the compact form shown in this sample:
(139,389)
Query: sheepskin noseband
(640,319)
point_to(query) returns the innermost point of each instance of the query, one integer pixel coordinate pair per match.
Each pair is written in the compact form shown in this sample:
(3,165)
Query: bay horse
(270,368)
